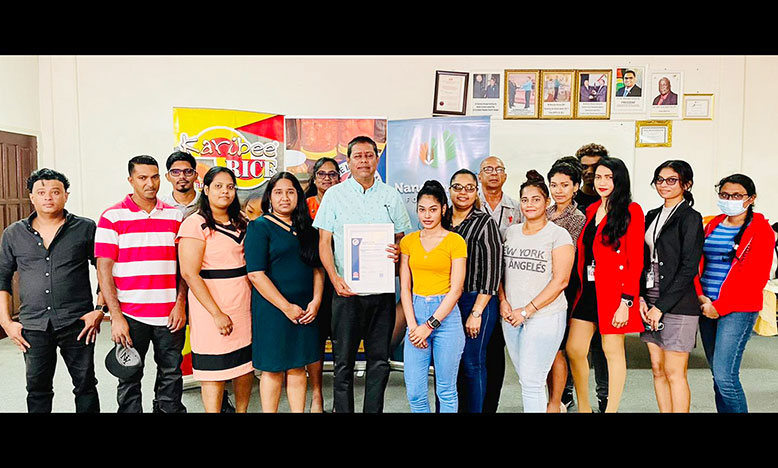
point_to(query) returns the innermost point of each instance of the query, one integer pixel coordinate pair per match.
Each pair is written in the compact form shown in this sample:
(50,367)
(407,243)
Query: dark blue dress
(278,344)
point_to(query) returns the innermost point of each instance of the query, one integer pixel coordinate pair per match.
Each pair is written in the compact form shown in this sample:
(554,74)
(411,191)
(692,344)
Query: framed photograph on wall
(665,92)
(485,93)
(592,97)
(450,93)
(557,95)
(521,94)
(628,90)
(653,133)
(698,107)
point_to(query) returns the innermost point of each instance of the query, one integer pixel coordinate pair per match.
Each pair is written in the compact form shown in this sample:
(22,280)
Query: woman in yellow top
(433,261)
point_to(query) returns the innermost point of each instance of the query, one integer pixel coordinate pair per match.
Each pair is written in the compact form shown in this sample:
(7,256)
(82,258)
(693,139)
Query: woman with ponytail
(538,258)
(668,300)
(612,240)
(432,261)
(734,269)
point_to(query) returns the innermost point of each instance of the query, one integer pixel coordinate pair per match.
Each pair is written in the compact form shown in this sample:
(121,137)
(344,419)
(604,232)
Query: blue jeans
(445,350)
(472,370)
(532,348)
(724,340)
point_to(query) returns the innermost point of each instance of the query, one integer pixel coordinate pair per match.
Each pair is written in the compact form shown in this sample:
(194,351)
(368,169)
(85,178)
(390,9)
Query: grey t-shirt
(528,267)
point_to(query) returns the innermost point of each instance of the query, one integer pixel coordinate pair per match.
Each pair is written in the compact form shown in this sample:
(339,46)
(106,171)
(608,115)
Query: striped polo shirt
(716,249)
(143,247)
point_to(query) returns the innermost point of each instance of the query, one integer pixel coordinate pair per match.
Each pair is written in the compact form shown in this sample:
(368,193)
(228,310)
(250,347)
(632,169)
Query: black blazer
(679,248)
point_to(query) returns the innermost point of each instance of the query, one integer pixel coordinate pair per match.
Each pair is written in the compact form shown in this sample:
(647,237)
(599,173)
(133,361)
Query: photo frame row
(557,94)
(587,94)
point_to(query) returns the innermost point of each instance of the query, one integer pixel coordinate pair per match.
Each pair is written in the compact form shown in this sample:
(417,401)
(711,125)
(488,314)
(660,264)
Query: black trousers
(169,385)
(368,318)
(495,369)
(41,360)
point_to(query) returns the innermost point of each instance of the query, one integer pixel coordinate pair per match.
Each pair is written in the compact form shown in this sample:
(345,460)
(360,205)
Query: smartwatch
(433,322)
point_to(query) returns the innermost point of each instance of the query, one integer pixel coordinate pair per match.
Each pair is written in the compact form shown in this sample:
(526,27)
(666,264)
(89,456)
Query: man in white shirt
(505,211)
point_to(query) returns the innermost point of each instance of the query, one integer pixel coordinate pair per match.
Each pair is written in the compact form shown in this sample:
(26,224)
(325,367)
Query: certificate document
(366,266)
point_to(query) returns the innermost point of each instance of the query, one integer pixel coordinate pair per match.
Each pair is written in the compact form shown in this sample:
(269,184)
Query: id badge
(590,272)
(650,278)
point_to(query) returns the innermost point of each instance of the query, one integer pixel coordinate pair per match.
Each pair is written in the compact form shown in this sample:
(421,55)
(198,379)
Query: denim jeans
(169,386)
(532,348)
(471,383)
(41,359)
(724,340)
(446,344)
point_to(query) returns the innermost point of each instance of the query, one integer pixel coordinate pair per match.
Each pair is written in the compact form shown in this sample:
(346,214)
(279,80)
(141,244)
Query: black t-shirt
(585,200)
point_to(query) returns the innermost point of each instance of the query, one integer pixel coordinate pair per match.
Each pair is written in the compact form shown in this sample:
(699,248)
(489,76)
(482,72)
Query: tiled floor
(759,374)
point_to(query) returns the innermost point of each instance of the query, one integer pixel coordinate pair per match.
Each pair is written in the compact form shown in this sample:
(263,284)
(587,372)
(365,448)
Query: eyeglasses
(670,181)
(327,175)
(469,188)
(178,172)
(733,196)
(491,169)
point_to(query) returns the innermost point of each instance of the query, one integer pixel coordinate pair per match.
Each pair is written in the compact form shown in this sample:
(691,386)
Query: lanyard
(656,225)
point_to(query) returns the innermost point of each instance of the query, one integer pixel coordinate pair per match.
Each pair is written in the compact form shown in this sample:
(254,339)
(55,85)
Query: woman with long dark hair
(564,180)
(668,300)
(432,272)
(283,264)
(478,303)
(211,259)
(735,267)
(610,263)
(324,175)
(538,260)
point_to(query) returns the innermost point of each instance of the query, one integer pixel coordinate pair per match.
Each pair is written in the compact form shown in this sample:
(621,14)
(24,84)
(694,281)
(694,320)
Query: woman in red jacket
(734,269)
(612,240)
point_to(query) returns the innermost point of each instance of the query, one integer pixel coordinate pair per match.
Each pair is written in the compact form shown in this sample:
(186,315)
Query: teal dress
(278,344)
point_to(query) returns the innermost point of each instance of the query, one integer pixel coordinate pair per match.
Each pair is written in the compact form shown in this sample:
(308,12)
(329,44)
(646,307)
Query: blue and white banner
(423,149)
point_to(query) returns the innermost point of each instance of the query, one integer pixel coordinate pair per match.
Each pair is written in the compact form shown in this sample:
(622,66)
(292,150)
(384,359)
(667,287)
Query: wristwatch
(102,307)
(627,302)
(433,322)
(523,312)
(476,314)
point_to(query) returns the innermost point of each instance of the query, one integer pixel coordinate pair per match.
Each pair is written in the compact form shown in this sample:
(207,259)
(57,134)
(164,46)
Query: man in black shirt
(51,250)
(590,155)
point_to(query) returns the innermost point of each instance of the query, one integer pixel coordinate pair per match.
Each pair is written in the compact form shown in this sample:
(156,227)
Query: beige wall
(96,112)
(19,109)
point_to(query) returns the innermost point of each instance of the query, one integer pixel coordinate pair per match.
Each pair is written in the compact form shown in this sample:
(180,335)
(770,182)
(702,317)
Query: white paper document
(367,267)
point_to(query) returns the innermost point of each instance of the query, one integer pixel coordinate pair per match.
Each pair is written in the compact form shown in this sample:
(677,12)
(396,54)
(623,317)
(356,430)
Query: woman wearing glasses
(325,174)
(612,240)
(737,256)
(478,302)
(668,300)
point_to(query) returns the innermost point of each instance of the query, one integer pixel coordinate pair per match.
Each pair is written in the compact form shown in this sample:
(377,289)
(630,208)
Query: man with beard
(181,173)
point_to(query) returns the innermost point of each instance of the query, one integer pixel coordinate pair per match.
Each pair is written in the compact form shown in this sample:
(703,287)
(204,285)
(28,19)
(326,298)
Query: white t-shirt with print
(528,267)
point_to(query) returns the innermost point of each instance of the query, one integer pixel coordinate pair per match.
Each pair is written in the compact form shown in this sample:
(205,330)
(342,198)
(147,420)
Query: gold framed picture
(558,89)
(521,94)
(592,94)
(698,107)
(653,133)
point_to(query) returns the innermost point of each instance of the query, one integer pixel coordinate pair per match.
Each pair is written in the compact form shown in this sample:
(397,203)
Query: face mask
(731,207)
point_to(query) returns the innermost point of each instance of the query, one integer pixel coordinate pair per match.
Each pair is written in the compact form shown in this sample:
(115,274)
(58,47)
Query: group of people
(262,287)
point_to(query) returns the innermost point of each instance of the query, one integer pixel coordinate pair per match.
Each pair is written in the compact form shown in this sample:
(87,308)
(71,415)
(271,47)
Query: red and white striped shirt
(143,247)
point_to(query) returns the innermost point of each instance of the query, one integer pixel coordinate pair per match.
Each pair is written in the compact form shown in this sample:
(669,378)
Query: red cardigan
(741,290)
(616,272)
